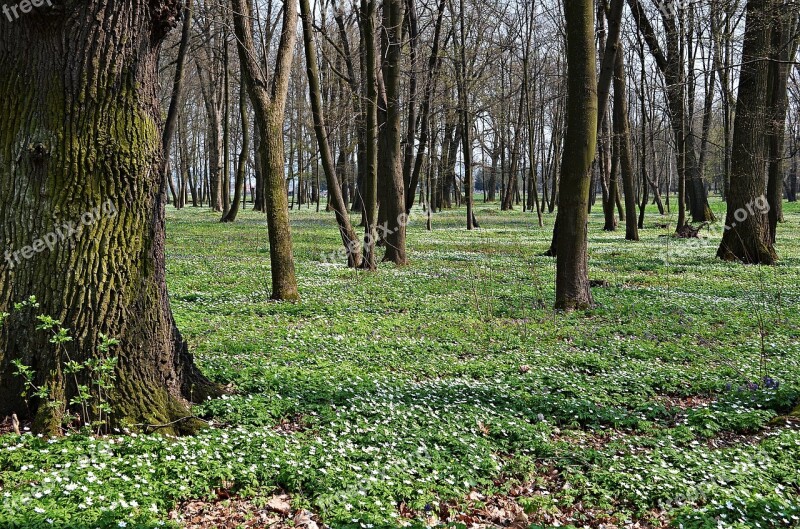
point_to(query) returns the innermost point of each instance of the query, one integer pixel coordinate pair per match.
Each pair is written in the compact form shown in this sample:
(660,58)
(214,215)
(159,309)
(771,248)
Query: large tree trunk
(269,103)
(572,275)
(92,69)
(747,236)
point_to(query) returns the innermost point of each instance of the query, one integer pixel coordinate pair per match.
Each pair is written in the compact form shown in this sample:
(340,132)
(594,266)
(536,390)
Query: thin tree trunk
(269,106)
(244,154)
(346,231)
(622,131)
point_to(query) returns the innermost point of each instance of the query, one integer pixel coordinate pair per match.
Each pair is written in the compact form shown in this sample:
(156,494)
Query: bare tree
(269,103)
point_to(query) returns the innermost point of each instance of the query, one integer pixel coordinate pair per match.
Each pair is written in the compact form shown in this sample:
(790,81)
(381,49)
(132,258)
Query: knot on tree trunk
(165,15)
(687,231)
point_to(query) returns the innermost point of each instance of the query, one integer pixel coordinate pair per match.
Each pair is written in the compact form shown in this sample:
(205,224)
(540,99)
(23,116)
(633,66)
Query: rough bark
(747,236)
(390,170)
(93,67)
(572,277)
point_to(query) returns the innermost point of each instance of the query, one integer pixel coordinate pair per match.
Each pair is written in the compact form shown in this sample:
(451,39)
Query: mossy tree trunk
(269,102)
(747,236)
(572,277)
(81,134)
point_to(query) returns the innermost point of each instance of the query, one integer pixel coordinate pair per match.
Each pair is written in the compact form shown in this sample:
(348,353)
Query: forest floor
(449,392)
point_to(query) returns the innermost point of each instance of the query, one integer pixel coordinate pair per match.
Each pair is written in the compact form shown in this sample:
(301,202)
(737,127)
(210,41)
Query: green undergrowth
(418,385)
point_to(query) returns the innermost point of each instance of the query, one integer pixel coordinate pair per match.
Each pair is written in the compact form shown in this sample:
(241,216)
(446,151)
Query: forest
(399,263)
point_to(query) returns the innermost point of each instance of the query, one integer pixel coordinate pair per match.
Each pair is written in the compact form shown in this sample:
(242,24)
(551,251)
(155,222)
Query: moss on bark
(81,148)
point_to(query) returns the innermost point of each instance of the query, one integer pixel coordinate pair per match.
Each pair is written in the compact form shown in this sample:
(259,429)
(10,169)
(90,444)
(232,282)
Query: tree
(673,66)
(171,123)
(466,120)
(622,130)
(366,17)
(210,70)
(109,278)
(244,155)
(390,171)
(348,235)
(572,276)
(747,236)
(784,48)
(431,75)
(269,102)
(604,80)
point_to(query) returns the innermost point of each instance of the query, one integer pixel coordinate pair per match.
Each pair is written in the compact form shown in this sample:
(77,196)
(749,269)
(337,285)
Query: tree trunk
(622,130)
(269,105)
(390,170)
(339,204)
(572,275)
(434,63)
(792,187)
(466,121)
(99,174)
(672,65)
(259,202)
(610,195)
(244,154)
(367,28)
(784,49)
(747,236)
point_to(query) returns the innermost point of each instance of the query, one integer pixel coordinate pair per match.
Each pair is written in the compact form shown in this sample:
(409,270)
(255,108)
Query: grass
(386,399)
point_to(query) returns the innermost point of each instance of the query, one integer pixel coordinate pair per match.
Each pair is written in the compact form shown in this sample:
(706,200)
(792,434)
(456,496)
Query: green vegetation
(421,384)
